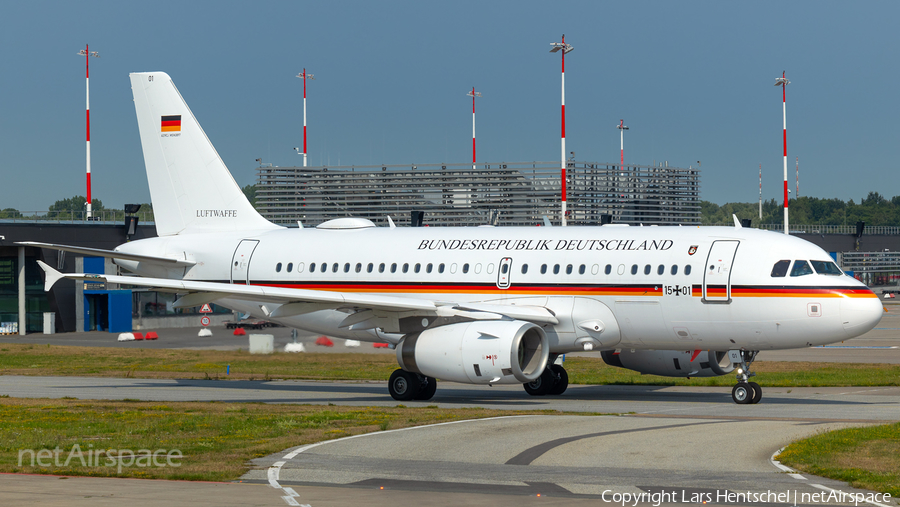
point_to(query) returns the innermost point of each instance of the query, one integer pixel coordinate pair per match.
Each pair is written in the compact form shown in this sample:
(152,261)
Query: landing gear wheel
(427,389)
(403,385)
(742,393)
(541,385)
(757,393)
(562,380)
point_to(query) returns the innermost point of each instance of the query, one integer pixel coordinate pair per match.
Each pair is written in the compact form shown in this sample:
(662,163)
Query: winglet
(737,223)
(391,222)
(53,275)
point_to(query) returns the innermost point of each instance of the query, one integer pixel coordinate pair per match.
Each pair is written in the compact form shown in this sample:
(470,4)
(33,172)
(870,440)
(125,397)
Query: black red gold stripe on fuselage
(657,290)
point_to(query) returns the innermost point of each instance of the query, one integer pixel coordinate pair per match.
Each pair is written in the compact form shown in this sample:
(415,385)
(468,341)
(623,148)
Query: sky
(692,80)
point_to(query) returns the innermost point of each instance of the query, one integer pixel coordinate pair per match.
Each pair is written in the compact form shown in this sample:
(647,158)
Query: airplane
(479,305)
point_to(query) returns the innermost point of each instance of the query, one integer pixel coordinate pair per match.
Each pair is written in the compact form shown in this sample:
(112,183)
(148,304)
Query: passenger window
(581,269)
(346,267)
(490,269)
(543,269)
(312,267)
(687,269)
(428,268)
(359,267)
(608,269)
(826,268)
(634,269)
(465,268)
(393,267)
(290,267)
(453,269)
(441,267)
(556,269)
(371,267)
(504,268)
(801,268)
(647,269)
(381,268)
(674,269)
(524,268)
(569,269)
(278,268)
(595,269)
(477,269)
(405,267)
(334,267)
(418,267)
(300,267)
(780,269)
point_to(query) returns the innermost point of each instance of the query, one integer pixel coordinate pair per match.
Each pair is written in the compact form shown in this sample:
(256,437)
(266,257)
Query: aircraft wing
(287,302)
(112,254)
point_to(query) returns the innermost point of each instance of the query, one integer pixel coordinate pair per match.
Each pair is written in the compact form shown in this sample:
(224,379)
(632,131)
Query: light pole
(87,54)
(622,128)
(304,76)
(760,191)
(473,94)
(797,195)
(783,81)
(565,48)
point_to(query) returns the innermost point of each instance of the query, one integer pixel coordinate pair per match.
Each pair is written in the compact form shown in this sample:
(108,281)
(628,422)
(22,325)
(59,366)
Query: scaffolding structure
(509,194)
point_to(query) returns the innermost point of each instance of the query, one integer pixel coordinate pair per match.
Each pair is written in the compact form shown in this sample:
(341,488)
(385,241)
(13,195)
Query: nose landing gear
(745,392)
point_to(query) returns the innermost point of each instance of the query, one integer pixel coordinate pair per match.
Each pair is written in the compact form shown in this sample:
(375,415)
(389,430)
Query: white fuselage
(674,288)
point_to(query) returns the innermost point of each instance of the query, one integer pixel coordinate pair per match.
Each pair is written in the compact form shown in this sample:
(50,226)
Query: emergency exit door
(717,272)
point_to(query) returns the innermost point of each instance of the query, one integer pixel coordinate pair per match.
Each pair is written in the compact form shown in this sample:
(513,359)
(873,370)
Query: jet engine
(671,363)
(480,352)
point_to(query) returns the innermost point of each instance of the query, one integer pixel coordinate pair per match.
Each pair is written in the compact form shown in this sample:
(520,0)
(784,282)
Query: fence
(74,217)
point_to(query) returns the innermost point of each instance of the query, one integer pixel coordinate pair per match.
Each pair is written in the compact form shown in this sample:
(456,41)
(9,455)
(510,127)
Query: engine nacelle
(671,363)
(481,352)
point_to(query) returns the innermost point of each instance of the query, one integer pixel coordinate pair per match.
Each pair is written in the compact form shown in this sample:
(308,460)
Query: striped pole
(473,94)
(760,191)
(797,195)
(304,76)
(87,53)
(783,81)
(565,48)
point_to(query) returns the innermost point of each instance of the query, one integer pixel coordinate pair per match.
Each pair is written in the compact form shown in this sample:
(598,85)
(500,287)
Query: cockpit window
(826,268)
(780,269)
(801,268)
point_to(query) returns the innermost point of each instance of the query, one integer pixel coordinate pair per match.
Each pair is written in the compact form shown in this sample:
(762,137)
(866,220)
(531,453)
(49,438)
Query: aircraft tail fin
(191,189)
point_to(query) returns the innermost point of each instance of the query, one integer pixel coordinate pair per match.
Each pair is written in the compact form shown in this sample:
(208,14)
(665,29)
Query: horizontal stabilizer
(111,254)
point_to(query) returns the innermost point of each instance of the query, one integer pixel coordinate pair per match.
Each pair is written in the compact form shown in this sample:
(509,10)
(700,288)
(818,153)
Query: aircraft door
(240,263)
(503,272)
(717,272)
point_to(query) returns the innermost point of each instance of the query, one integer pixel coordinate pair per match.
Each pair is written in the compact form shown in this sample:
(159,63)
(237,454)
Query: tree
(250,193)
(74,205)
(10,213)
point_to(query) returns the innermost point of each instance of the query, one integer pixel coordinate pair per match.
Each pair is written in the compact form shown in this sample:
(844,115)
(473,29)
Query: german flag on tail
(171,123)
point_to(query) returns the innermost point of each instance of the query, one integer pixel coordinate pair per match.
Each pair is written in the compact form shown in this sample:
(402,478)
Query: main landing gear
(553,381)
(406,386)
(745,392)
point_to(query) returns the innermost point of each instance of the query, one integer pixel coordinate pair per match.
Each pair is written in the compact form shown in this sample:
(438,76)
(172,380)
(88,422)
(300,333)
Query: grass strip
(867,458)
(217,440)
(22,359)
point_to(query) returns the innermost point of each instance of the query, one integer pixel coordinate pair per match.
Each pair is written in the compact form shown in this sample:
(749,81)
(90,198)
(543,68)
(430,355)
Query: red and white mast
(304,76)
(87,54)
(557,46)
(622,128)
(473,94)
(797,195)
(783,81)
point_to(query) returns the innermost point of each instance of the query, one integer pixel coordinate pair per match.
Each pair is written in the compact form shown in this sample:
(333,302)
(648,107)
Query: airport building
(508,194)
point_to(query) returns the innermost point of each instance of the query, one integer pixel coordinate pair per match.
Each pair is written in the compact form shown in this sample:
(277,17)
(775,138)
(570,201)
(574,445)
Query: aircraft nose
(860,315)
